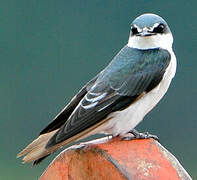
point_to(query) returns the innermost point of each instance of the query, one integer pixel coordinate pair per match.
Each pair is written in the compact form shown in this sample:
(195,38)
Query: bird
(117,99)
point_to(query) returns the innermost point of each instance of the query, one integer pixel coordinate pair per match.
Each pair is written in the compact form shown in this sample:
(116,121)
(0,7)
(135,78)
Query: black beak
(146,33)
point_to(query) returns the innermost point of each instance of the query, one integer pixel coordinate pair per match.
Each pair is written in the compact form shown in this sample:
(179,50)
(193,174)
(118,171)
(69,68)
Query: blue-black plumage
(131,72)
(119,97)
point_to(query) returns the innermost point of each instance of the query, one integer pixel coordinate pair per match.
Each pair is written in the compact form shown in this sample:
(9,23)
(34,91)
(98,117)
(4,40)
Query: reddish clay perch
(119,160)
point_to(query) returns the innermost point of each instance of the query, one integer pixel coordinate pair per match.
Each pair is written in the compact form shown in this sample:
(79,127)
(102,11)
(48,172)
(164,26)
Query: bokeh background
(49,49)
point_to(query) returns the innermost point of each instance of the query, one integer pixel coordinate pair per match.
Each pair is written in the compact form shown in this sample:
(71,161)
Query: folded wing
(132,73)
(115,88)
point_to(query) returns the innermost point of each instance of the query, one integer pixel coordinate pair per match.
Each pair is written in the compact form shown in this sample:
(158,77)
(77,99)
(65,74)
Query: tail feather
(36,149)
(38,161)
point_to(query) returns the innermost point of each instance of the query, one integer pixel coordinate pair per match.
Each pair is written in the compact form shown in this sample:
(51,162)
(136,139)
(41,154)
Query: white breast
(125,120)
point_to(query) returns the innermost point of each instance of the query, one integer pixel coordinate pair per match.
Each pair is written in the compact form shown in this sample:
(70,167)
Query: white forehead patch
(146,28)
(154,26)
(138,28)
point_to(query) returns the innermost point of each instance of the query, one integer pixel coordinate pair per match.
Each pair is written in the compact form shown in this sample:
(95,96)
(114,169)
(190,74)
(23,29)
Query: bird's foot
(138,135)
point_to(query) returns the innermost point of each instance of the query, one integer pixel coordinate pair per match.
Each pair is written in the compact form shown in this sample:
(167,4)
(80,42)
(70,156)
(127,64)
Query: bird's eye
(159,29)
(134,30)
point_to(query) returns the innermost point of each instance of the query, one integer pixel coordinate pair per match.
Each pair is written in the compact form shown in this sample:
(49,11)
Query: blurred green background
(49,49)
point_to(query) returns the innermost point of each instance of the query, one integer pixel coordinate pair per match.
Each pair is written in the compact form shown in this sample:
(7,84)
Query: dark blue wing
(131,73)
(62,117)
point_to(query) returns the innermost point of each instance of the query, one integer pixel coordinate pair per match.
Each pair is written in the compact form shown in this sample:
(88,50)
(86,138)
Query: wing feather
(115,88)
(62,117)
(131,73)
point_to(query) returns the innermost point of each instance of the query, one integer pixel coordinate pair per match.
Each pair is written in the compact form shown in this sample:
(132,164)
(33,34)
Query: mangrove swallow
(116,100)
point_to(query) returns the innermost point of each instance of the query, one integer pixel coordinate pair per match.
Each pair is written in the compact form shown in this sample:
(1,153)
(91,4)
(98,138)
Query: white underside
(121,122)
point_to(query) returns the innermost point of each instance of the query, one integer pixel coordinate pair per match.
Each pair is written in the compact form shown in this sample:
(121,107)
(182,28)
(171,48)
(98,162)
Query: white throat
(163,41)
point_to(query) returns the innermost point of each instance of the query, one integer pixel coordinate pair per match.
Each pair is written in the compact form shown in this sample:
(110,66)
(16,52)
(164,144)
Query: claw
(138,135)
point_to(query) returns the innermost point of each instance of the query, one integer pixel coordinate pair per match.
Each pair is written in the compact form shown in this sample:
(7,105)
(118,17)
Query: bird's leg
(138,135)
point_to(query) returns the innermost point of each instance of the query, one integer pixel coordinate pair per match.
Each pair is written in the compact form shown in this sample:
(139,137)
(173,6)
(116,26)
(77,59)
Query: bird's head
(150,31)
